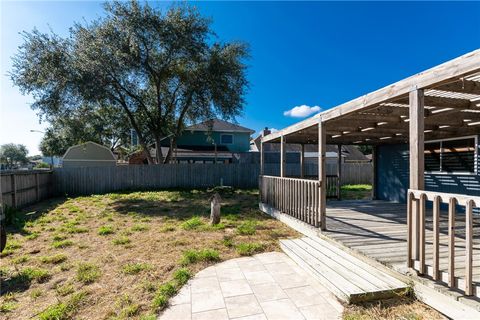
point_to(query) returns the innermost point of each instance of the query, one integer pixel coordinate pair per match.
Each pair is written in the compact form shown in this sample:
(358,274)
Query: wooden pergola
(439,103)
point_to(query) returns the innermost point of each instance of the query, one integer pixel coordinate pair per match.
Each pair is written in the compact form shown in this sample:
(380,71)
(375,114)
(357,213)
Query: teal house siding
(240,143)
(393,176)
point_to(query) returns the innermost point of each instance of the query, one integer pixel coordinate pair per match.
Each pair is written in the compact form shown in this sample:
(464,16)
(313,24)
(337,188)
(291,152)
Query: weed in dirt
(88,273)
(182,275)
(121,241)
(63,310)
(20,259)
(167,228)
(62,243)
(139,227)
(105,230)
(134,268)
(36,293)
(193,256)
(247,249)
(247,228)
(55,259)
(192,223)
(65,289)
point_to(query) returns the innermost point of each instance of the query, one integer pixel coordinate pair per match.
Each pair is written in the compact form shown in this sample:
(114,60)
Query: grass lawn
(356,192)
(122,255)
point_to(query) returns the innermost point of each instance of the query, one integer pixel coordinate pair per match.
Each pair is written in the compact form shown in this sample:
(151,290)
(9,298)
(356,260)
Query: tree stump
(215,207)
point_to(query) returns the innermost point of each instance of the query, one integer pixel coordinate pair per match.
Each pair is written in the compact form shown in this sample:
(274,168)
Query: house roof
(218,125)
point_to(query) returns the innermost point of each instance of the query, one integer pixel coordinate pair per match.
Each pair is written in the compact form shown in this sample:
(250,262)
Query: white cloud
(301,111)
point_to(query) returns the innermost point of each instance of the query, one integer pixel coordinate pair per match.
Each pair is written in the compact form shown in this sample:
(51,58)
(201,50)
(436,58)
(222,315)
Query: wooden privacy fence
(21,188)
(456,232)
(298,198)
(95,180)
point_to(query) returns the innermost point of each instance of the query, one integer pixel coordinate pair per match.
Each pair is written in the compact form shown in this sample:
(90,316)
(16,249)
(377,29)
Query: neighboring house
(206,142)
(88,154)
(349,153)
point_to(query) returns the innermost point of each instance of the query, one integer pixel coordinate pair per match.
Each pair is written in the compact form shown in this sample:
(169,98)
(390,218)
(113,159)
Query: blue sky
(309,53)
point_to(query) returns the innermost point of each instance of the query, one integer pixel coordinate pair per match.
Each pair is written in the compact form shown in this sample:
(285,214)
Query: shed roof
(89,151)
(452,109)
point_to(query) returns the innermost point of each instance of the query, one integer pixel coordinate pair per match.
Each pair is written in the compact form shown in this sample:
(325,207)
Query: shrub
(134,268)
(193,256)
(247,227)
(192,223)
(247,249)
(55,259)
(87,273)
(121,241)
(104,230)
(62,243)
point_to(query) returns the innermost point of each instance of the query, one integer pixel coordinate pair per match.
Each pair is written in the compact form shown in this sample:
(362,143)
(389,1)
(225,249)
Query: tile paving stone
(207,301)
(304,296)
(180,311)
(268,286)
(219,314)
(268,291)
(281,309)
(241,306)
(259,277)
(235,288)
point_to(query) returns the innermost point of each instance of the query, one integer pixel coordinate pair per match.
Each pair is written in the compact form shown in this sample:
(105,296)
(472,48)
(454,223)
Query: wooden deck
(378,230)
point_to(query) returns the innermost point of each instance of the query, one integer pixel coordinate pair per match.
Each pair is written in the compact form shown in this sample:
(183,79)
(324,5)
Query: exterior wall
(393,176)
(241,140)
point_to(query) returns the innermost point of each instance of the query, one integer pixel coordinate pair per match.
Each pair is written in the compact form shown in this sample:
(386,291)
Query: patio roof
(452,109)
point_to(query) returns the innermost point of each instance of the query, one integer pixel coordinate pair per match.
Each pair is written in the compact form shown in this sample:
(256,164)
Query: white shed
(88,154)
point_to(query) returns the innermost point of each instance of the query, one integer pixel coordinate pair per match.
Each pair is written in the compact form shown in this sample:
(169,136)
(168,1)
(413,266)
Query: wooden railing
(417,228)
(298,198)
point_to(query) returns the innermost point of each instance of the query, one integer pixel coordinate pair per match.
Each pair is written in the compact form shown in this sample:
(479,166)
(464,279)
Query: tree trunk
(158,149)
(173,145)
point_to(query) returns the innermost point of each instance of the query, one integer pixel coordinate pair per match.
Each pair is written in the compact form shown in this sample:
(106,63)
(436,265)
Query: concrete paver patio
(266,286)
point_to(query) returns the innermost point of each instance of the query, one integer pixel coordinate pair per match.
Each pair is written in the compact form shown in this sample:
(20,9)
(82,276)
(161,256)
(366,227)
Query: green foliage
(182,275)
(55,259)
(135,67)
(88,273)
(65,290)
(41,165)
(136,267)
(20,259)
(247,227)
(37,274)
(167,228)
(192,223)
(139,227)
(105,230)
(247,249)
(12,155)
(7,307)
(357,187)
(193,256)
(63,310)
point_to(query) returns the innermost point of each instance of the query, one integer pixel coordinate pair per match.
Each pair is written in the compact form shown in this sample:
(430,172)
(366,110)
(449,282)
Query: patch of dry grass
(122,255)
(391,309)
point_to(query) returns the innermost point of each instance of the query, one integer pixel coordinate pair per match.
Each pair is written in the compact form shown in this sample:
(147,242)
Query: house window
(451,156)
(226,139)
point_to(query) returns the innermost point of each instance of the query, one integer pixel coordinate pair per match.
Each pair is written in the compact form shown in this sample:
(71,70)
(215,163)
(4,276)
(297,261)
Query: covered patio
(433,228)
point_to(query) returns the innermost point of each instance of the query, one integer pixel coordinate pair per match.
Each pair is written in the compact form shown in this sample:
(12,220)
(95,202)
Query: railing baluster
(409,229)
(421,204)
(309,203)
(315,204)
(436,238)
(468,248)
(451,242)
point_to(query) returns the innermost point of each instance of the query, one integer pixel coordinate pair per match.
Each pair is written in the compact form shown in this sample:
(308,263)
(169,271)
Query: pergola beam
(461,86)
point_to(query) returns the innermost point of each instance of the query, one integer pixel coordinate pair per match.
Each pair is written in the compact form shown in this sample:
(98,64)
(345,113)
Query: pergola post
(282,156)
(262,159)
(322,179)
(302,161)
(339,170)
(374,171)
(417,165)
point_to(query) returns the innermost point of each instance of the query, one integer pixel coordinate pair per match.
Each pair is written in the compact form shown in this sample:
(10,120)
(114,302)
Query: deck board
(378,230)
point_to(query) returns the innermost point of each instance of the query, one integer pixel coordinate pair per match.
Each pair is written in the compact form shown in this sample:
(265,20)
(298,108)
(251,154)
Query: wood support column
(322,176)
(302,161)
(417,165)
(374,171)
(339,170)
(262,159)
(282,156)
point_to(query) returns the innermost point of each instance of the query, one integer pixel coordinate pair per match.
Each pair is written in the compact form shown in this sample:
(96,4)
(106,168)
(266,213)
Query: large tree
(160,70)
(12,154)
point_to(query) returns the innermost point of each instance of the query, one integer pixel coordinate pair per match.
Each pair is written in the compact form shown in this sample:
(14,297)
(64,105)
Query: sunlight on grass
(193,256)
(88,273)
